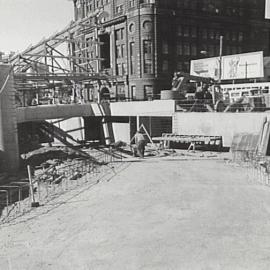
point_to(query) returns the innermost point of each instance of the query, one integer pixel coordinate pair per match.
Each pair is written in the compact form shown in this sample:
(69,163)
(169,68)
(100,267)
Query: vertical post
(220,58)
(138,122)
(33,203)
(7,200)
(20,198)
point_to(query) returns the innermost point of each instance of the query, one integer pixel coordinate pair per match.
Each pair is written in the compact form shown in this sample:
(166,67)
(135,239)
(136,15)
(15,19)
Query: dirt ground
(156,213)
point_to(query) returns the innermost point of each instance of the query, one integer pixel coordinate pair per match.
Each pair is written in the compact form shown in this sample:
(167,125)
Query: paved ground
(155,214)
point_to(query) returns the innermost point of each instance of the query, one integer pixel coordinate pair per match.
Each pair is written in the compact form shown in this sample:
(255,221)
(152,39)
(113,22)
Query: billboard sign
(242,66)
(267,9)
(238,66)
(207,67)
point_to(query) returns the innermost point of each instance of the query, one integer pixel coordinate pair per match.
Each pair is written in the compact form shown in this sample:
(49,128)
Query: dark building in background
(143,42)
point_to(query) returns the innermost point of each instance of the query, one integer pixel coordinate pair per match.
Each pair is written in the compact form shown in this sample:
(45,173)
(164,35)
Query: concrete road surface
(154,215)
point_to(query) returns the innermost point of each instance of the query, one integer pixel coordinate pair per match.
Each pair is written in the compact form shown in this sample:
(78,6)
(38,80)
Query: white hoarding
(238,66)
(267,9)
(242,66)
(207,67)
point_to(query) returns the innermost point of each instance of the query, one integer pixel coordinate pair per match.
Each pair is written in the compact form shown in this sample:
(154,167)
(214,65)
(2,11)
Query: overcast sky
(25,22)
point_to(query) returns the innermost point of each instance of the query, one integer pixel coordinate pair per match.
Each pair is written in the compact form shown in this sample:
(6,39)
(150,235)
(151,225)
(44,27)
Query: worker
(199,100)
(208,97)
(34,102)
(140,143)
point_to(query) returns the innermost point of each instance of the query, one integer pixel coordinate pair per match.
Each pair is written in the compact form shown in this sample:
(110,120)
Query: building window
(186,49)
(179,49)
(132,60)
(193,50)
(118,51)
(149,91)
(147,25)
(179,30)
(165,47)
(124,69)
(131,3)
(119,10)
(186,66)
(133,92)
(186,31)
(204,34)
(179,66)
(234,36)
(211,34)
(120,91)
(240,36)
(131,48)
(234,50)
(227,36)
(131,28)
(119,34)
(193,32)
(147,46)
(148,67)
(119,70)
(123,48)
(165,65)
(211,50)
(147,55)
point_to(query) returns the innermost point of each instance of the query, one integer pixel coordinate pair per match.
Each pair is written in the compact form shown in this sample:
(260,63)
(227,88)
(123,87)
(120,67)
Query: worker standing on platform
(140,143)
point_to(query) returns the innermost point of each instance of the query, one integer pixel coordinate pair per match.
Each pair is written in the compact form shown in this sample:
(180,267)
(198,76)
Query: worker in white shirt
(140,143)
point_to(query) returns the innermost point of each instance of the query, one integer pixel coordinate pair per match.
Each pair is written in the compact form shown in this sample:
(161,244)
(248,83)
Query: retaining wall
(224,124)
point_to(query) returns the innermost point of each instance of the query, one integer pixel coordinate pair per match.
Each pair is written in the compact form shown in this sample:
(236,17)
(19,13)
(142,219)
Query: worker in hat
(140,143)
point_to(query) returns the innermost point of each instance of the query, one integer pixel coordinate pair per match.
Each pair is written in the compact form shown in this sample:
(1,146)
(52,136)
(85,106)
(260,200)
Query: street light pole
(220,58)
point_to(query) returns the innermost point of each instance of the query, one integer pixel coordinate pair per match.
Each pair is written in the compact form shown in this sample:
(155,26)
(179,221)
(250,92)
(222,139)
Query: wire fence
(182,105)
(257,166)
(19,197)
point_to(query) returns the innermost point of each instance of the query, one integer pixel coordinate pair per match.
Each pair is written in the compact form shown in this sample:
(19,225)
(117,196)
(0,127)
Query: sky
(26,22)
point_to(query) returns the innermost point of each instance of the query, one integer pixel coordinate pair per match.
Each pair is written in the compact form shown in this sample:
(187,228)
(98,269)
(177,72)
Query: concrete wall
(224,124)
(121,132)
(147,108)
(143,108)
(9,149)
(38,113)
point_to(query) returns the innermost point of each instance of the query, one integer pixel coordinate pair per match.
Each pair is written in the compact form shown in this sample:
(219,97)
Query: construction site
(102,169)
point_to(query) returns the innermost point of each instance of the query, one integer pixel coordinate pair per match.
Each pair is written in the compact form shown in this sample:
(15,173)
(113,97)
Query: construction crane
(206,96)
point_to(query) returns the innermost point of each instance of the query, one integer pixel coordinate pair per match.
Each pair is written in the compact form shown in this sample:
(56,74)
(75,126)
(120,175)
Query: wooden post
(138,122)
(33,203)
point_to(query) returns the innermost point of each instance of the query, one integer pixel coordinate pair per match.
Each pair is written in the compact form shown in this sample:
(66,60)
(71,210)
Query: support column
(9,147)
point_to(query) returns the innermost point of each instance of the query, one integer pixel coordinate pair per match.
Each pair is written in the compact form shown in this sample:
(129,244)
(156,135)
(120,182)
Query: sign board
(207,67)
(242,66)
(238,66)
(267,9)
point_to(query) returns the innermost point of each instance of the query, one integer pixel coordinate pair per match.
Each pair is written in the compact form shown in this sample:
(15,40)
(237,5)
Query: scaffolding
(59,67)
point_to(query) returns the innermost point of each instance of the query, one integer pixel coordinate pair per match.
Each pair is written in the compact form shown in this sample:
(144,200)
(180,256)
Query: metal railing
(53,181)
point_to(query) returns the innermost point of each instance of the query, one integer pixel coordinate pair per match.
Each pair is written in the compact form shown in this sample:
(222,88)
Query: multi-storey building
(143,42)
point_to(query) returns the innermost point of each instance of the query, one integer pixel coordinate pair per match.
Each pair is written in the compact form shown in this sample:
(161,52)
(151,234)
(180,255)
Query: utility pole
(220,58)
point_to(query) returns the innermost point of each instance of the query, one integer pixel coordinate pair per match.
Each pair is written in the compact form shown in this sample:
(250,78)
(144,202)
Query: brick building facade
(144,41)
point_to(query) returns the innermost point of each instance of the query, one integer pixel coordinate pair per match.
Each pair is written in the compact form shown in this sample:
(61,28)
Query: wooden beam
(78,41)
(62,57)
